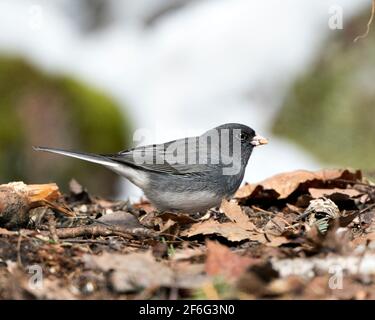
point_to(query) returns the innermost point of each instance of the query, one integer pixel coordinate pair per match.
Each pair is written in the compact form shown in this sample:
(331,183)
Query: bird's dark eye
(244,136)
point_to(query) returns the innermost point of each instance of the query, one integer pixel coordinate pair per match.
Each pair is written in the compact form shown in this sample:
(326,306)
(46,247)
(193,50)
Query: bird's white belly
(197,201)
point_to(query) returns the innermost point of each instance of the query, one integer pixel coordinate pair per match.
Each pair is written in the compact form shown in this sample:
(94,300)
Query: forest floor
(297,235)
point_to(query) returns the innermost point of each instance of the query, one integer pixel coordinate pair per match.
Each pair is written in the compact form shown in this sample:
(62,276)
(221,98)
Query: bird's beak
(258,140)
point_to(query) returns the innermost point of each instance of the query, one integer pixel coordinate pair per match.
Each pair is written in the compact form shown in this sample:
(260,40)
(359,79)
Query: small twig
(272,213)
(173,236)
(89,241)
(61,208)
(262,210)
(302,216)
(284,220)
(364,35)
(100,230)
(52,228)
(91,230)
(366,209)
(293,226)
(103,242)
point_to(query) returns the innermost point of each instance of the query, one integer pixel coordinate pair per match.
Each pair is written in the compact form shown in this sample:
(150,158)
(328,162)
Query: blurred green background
(59,111)
(330,110)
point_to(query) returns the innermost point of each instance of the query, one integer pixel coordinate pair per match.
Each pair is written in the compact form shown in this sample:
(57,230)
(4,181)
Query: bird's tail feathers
(80,155)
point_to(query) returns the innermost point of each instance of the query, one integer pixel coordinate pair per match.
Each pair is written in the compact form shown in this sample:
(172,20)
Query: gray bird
(188,175)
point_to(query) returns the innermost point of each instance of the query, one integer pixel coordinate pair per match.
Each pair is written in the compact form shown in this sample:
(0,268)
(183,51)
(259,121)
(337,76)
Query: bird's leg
(210,213)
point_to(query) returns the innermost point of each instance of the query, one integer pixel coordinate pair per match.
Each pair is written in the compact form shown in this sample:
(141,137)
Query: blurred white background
(182,66)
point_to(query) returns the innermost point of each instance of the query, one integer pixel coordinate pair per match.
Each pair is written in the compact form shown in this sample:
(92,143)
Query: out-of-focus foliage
(330,111)
(59,111)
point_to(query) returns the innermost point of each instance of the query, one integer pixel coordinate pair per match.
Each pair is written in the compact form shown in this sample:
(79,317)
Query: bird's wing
(183,156)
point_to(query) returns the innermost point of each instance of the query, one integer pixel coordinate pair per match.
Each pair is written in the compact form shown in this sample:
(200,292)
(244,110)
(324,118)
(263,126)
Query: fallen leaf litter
(280,238)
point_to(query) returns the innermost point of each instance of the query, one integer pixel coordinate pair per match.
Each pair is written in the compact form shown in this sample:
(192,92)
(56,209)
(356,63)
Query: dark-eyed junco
(188,175)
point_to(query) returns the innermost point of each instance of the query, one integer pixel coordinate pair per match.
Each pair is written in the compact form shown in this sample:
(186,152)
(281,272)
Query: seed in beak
(258,140)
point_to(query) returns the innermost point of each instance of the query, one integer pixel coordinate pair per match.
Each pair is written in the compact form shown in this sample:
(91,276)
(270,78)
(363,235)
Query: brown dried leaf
(42,192)
(245,191)
(121,218)
(229,230)
(222,261)
(319,193)
(188,253)
(240,228)
(32,194)
(168,225)
(285,184)
(144,205)
(234,212)
(180,218)
(275,226)
(347,217)
(363,239)
(132,271)
(277,241)
(257,277)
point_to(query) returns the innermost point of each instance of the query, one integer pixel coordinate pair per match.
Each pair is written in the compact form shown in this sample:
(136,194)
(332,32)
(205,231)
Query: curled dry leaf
(240,228)
(228,230)
(319,193)
(285,184)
